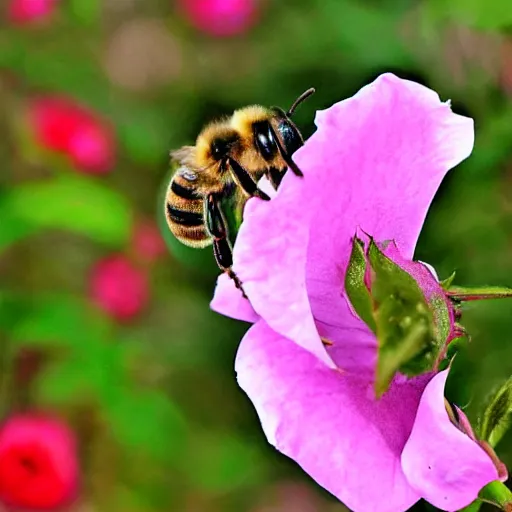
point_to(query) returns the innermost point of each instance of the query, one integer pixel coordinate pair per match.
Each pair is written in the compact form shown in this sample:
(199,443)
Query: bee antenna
(299,100)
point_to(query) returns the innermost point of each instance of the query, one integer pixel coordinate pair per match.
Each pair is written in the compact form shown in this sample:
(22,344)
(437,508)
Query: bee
(229,158)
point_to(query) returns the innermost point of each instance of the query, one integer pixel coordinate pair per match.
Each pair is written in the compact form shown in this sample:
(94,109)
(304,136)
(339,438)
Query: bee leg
(244,179)
(275,176)
(286,157)
(224,257)
(216,226)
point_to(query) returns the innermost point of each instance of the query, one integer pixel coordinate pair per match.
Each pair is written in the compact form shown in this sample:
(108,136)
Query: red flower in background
(220,18)
(63,126)
(147,242)
(38,463)
(118,287)
(29,11)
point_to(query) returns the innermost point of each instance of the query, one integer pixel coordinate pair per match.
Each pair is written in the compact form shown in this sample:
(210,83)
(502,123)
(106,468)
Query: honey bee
(229,158)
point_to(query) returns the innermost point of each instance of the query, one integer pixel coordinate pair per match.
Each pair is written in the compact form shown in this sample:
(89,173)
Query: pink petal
(375,163)
(228,298)
(272,262)
(440,462)
(329,422)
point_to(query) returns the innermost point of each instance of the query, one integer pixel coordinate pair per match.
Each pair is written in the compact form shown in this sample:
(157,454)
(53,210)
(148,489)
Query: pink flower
(373,165)
(118,287)
(29,11)
(38,463)
(147,241)
(61,125)
(220,18)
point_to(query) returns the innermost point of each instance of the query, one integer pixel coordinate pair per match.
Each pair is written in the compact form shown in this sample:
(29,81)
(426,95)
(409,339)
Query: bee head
(220,147)
(214,143)
(290,133)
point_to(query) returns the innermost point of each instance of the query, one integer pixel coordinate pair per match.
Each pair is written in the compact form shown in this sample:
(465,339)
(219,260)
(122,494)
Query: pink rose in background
(147,241)
(118,287)
(220,18)
(62,125)
(374,164)
(38,463)
(23,12)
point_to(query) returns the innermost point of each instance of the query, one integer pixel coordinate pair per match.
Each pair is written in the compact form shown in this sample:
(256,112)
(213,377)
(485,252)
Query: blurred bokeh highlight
(108,345)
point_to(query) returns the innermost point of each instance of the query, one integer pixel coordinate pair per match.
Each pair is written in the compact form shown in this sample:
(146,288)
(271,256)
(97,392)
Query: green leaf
(405,330)
(61,320)
(86,11)
(129,500)
(147,421)
(13,228)
(143,133)
(478,13)
(63,382)
(462,293)
(68,202)
(355,286)
(226,463)
(497,417)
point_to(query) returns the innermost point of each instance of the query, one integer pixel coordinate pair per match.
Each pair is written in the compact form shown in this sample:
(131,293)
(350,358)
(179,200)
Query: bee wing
(182,162)
(184,155)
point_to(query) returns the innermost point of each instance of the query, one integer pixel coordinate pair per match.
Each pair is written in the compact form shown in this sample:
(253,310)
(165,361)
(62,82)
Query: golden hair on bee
(229,158)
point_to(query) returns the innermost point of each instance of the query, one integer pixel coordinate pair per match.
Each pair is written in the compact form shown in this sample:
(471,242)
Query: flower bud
(404,305)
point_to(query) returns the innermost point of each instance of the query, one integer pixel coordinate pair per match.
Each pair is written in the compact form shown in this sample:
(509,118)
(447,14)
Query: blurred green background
(161,422)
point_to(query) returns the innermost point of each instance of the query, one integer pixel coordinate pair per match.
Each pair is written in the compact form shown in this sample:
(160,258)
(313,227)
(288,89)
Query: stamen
(326,342)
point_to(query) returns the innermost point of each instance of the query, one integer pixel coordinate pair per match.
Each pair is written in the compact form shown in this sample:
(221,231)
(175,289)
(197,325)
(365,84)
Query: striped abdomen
(184,210)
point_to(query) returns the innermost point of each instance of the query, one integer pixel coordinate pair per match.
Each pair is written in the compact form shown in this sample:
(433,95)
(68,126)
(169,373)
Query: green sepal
(472,507)
(452,350)
(497,417)
(464,293)
(442,321)
(498,494)
(446,283)
(355,286)
(495,493)
(404,321)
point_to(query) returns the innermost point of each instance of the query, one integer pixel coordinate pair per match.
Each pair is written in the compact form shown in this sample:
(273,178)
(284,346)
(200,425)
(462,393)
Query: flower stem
(464,294)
